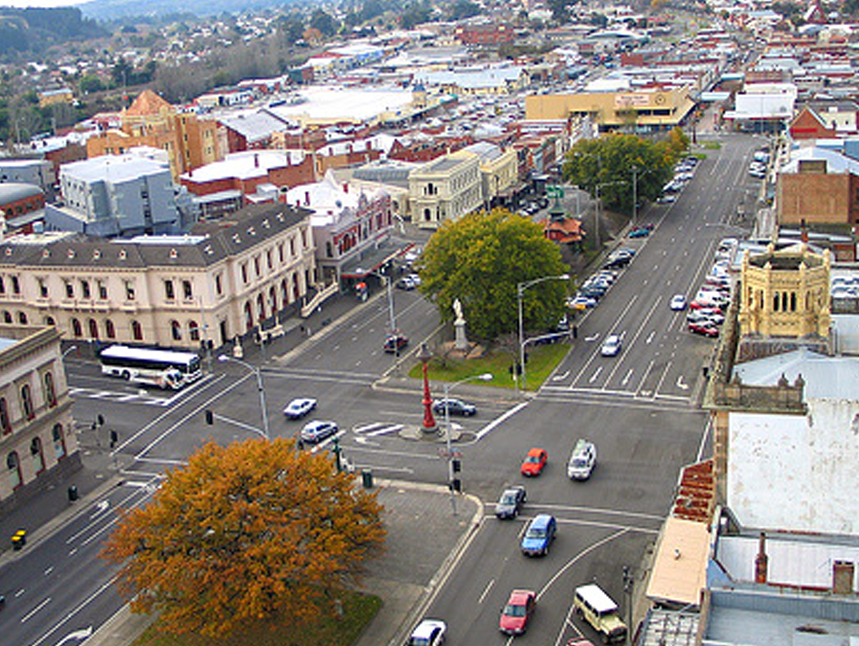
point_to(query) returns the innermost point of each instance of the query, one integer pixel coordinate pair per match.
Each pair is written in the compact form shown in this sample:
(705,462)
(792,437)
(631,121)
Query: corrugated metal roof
(825,377)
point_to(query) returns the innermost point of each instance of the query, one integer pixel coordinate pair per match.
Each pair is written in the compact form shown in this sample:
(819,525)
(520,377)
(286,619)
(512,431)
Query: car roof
(520,595)
(541,520)
(595,596)
(535,451)
(425,628)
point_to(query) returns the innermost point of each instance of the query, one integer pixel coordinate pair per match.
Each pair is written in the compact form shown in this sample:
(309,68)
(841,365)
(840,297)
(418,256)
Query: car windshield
(580,462)
(532,459)
(536,532)
(514,611)
(419,641)
(508,499)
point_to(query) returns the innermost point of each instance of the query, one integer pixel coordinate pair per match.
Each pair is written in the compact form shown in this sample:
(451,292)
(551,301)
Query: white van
(597,608)
(583,459)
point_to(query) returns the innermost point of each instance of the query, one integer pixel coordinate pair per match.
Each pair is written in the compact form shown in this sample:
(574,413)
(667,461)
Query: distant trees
(323,21)
(462,9)
(480,259)
(561,9)
(243,533)
(415,13)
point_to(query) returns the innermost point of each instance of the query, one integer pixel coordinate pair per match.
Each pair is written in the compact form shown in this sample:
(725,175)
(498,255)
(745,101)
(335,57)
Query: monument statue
(461,341)
(457,310)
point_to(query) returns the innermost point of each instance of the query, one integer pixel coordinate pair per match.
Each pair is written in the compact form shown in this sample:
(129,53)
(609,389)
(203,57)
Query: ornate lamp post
(429,425)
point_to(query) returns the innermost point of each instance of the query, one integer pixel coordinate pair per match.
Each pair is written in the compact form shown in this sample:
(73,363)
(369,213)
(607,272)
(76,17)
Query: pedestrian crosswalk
(141,397)
(375,429)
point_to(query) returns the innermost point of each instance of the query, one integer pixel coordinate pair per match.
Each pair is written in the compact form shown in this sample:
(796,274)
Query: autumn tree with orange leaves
(244,533)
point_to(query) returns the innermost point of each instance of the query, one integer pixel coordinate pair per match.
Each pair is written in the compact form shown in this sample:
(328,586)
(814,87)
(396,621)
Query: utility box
(367,478)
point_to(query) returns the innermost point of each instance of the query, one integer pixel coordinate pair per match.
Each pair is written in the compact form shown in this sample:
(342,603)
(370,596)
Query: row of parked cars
(759,163)
(707,311)
(684,171)
(596,286)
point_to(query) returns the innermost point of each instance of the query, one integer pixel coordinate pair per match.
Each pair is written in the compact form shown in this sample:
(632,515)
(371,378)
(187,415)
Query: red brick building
(484,34)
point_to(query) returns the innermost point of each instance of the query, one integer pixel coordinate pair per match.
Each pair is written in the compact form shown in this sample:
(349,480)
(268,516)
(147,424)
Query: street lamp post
(520,291)
(260,388)
(450,472)
(429,424)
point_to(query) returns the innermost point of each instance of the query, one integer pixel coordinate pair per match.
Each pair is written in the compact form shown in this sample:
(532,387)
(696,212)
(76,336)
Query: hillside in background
(108,10)
(34,30)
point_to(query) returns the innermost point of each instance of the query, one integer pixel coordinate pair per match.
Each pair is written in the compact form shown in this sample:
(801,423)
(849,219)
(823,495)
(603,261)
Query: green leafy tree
(292,28)
(415,13)
(243,533)
(611,163)
(323,21)
(462,9)
(480,259)
(561,9)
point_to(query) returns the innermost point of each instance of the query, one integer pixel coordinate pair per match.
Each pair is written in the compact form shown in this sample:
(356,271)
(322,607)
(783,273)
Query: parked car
(510,502)
(395,343)
(640,232)
(298,408)
(415,278)
(539,535)
(430,632)
(666,198)
(517,612)
(704,330)
(534,462)
(611,346)
(454,407)
(678,303)
(318,430)
(581,302)
(593,605)
(406,283)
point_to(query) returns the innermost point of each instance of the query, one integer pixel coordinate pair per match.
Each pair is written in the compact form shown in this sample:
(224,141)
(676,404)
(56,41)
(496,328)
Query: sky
(39,3)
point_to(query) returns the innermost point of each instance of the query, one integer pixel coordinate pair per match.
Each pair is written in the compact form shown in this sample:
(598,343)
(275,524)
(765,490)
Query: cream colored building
(445,189)
(223,281)
(37,440)
(641,111)
(785,293)
(499,171)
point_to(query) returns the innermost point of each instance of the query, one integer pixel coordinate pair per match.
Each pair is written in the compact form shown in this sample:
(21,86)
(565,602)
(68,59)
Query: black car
(510,501)
(455,407)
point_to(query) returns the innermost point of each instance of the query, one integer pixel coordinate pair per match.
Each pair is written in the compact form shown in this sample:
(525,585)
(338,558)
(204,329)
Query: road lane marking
(595,375)
(500,420)
(486,591)
(74,611)
(561,377)
(625,380)
(650,337)
(30,614)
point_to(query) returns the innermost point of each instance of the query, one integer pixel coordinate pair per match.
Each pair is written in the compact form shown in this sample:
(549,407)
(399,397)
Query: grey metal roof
(485,150)
(255,126)
(14,191)
(825,377)
(212,242)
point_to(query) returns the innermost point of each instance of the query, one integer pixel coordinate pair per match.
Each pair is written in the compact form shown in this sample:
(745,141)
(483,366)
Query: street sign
(554,191)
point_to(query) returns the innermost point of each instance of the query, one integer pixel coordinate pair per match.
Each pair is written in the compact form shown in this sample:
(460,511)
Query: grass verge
(358,610)
(542,359)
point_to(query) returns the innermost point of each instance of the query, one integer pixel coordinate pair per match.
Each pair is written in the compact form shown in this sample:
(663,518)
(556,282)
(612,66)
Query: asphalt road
(640,408)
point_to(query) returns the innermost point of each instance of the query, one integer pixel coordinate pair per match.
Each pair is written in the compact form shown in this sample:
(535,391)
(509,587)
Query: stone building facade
(445,189)
(37,440)
(224,280)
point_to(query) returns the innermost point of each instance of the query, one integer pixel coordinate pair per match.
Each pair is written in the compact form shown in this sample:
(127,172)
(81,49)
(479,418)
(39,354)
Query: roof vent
(236,238)
(208,249)
(279,217)
(46,253)
(174,254)
(96,254)
(266,224)
(251,231)
(123,254)
(70,253)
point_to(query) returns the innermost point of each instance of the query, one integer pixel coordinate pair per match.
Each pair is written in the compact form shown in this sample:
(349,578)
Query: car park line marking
(387,429)
(625,380)
(486,591)
(499,420)
(595,375)
(650,337)
(561,377)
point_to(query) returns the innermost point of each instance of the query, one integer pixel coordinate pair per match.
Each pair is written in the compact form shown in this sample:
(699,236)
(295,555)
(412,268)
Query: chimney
(307,198)
(761,560)
(842,577)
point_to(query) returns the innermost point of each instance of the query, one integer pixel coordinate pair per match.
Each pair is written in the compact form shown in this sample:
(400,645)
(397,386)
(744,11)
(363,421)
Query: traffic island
(412,432)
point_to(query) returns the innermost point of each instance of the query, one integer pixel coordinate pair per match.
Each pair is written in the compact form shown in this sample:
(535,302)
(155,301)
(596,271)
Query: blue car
(539,535)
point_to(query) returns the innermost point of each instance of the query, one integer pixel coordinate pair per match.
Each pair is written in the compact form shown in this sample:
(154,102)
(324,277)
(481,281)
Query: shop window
(176,330)
(77,330)
(13,466)
(193,331)
(59,441)
(109,329)
(36,453)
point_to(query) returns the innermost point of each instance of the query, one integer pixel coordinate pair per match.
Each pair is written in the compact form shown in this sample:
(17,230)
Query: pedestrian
(309,333)
(301,329)
(300,444)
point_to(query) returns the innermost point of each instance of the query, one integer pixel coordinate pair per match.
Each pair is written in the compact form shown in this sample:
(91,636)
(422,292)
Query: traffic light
(100,419)
(114,438)
(456,485)
(457,466)
(210,417)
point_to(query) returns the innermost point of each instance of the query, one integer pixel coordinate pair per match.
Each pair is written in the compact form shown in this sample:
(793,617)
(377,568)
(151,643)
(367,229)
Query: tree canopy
(613,162)
(480,259)
(243,533)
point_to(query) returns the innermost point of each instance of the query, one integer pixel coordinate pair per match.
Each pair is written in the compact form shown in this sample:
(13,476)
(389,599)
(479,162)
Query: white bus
(162,368)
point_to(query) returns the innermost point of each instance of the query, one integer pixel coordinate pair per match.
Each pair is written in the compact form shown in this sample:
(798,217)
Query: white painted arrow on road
(680,383)
(561,377)
(100,508)
(593,337)
(76,635)
(365,441)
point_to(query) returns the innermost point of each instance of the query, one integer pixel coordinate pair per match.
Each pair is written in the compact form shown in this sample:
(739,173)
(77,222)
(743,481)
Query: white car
(430,632)
(611,346)
(298,408)
(678,302)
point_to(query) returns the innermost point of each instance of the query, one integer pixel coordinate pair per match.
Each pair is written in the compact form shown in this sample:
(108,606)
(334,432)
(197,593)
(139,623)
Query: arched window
(50,391)
(176,330)
(22,318)
(261,307)
(93,328)
(109,329)
(13,465)
(38,457)
(249,316)
(775,302)
(59,441)
(193,331)
(284,291)
(136,331)
(27,402)
(793,301)
(77,331)
(5,421)
(49,320)
(7,316)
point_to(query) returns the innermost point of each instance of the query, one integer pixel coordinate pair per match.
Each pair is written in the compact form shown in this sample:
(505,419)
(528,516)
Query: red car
(705,330)
(534,462)
(517,613)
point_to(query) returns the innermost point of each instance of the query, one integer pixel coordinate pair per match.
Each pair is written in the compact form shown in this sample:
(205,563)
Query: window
(136,331)
(59,442)
(36,452)
(280,252)
(50,391)
(109,329)
(775,302)
(22,318)
(219,287)
(49,320)
(27,402)
(257,267)
(269,259)
(5,422)
(187,292)
(93,328)
(102,291)
(193,331)
(129,290)
(70,289)
(169,294)
(16,285)
(176,330)
(7,316)
(2,286)
(14,468)
(793,301)
(43,288)
(245,274)
(85,289)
